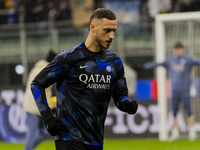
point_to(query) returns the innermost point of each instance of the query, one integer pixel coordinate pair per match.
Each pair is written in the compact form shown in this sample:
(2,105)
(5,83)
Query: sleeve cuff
(46,115)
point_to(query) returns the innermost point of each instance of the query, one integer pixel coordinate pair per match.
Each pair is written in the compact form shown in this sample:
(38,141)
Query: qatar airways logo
(96,81)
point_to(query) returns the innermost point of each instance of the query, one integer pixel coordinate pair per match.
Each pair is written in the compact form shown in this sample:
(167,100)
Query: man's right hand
(55,126)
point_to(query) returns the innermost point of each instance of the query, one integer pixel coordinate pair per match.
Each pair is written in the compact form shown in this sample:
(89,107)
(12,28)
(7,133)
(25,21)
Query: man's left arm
(195,61)
(120,94)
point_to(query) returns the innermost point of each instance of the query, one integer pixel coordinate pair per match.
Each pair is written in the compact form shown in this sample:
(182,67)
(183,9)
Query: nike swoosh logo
(81,67)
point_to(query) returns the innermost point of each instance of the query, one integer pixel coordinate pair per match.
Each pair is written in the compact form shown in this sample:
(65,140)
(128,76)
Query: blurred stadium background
(28,29)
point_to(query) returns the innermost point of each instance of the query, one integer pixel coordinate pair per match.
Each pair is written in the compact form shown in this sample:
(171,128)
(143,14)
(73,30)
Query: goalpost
(171,28)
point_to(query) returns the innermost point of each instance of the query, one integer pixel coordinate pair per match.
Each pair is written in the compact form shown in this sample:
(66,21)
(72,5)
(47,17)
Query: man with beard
(86,75)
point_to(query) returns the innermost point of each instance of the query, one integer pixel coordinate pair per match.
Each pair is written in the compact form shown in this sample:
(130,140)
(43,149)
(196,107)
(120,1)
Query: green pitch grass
(133,144)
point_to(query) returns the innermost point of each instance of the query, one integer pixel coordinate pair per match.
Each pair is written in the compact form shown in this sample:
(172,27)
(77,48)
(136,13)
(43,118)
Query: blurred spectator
(12,15)
(3,18)
(98,4)
(174,5)
(186,5)
(24,11)
(143,10)
(189,5)
(36,131)
(63,11)
(51,9)
(158,6)
(38,11)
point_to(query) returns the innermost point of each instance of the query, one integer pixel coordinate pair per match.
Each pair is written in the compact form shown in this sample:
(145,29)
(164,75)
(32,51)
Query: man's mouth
(109,42)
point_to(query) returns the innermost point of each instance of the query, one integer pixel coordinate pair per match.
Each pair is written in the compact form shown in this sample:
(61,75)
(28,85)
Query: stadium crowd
(14,11)
(11,11)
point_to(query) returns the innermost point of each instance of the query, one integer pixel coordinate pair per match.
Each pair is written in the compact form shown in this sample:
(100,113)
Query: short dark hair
(100,13)
(178,45)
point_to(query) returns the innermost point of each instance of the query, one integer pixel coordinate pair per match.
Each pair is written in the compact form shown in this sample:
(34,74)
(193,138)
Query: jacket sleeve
(195,61)
(52,73)
(120,91)
(151,65)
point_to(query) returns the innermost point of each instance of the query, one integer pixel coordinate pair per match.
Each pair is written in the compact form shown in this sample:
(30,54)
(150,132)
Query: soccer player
(179,67)
(36,130)
(86,75)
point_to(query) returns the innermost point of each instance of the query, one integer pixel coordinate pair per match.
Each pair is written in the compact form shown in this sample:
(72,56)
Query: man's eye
(107,30)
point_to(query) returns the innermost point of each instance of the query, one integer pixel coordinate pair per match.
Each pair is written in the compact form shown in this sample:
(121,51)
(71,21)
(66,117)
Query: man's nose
(112,35)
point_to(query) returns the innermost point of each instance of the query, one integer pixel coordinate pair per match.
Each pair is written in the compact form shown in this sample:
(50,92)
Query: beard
(102,44)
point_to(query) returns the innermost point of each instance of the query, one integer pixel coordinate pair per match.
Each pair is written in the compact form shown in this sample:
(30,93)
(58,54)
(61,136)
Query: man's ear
(92,27)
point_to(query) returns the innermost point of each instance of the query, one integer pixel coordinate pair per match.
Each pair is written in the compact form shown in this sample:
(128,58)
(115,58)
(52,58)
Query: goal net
(169,29)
